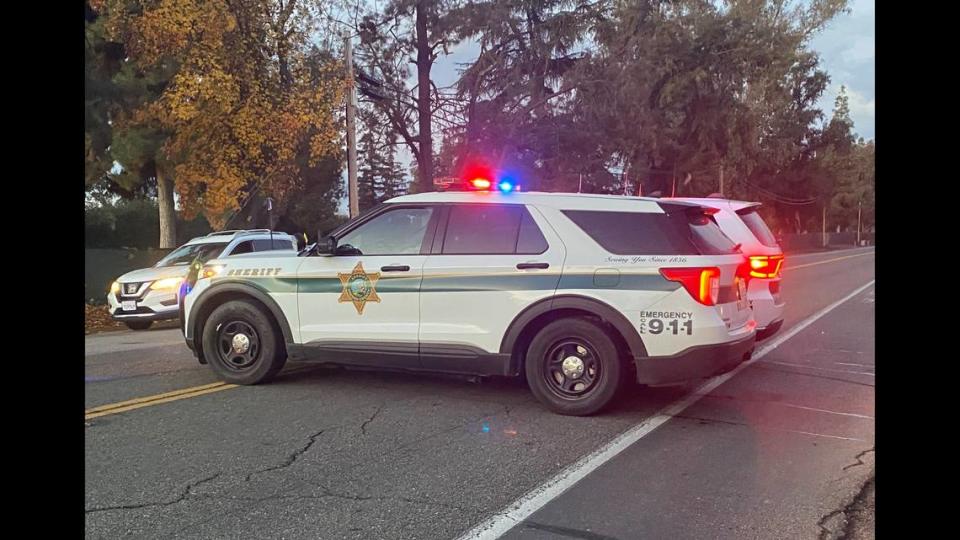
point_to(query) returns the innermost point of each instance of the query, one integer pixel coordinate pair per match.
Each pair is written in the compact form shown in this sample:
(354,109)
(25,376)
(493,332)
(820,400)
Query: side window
(394,232)
(483,229)
(531,240)
(243,247)
(276,244)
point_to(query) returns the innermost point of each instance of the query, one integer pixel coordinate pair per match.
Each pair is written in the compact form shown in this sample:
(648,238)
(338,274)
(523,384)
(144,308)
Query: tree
(409,32)
(380,176)
(114,89)
(649,91)
(248,95)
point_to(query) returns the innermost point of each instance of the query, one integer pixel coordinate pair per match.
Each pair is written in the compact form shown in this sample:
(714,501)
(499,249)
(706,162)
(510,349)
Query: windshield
(186,254)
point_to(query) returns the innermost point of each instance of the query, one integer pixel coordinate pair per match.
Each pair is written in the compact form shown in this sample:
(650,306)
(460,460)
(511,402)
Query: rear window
(758,227)
(683,232)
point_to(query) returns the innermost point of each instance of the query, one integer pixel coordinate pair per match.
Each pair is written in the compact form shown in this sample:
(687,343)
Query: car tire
(573,367)
(241,343)
(138,325)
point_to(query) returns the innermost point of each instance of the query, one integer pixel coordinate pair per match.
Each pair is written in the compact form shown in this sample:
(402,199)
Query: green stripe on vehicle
(473,283)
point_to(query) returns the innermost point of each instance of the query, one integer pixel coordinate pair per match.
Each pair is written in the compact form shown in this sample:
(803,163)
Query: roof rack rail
(239,231)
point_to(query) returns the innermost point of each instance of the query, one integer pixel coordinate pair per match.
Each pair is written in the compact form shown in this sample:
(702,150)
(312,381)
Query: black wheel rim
(238,345)
(571,368)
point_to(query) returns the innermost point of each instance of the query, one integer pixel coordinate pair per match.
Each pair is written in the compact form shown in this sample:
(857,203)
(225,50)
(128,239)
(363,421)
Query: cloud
(860,105)
(862,50)
(847,50)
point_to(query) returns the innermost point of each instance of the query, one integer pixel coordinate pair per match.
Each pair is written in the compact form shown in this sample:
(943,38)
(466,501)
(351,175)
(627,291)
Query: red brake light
(765,266)
(703,284)
(480,183)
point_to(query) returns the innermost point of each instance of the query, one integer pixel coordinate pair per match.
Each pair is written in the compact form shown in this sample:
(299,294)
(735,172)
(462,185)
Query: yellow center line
(155,400)
(827,261)
(167,397)
(137,401)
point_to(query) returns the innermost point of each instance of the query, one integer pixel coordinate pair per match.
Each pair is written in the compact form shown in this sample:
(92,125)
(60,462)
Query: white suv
(559,287)
(140,297)
(741,222)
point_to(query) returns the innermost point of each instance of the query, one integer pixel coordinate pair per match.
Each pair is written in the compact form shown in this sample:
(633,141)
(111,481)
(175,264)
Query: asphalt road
(782,449)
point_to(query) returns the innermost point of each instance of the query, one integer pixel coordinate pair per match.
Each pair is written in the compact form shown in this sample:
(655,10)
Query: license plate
(742,294)
(128,305)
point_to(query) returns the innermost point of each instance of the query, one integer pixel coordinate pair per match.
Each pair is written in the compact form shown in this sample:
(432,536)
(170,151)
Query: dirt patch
(97,319)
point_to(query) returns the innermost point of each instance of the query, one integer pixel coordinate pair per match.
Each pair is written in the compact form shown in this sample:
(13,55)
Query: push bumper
(694,363)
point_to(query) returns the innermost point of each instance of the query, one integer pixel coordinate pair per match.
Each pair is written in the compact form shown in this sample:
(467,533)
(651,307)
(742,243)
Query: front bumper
(151,306)
(694,363)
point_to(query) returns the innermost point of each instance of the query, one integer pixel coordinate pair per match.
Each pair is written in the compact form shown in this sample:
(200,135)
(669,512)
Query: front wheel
(573,367)
(241,344)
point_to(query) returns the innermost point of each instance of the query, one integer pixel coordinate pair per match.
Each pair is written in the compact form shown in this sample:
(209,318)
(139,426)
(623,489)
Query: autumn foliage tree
(250,95)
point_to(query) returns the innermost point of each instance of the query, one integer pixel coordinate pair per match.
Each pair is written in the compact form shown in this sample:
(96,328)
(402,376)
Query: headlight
(114,287)
(211,270)
(168,283)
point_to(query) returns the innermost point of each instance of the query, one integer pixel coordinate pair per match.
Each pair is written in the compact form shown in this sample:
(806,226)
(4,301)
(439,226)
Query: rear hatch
(715,271)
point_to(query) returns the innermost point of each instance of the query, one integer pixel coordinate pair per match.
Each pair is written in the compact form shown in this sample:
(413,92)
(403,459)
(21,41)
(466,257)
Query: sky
(846,50)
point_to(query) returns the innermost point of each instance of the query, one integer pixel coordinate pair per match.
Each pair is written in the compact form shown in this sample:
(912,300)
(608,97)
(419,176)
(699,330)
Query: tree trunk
(425,135)
(168,214)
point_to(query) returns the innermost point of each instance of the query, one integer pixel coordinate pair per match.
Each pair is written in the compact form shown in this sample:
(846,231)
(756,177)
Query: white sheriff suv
(579,293)
(140,297)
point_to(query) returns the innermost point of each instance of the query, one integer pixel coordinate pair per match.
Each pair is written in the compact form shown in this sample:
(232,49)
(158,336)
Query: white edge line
(515,512)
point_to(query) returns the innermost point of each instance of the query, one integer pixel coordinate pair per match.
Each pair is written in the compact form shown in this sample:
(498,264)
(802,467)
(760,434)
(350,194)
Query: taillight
(765,266)
(703,284)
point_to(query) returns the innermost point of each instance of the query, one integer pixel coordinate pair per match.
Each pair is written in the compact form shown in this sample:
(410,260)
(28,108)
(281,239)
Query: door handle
(396,268)
(526,266)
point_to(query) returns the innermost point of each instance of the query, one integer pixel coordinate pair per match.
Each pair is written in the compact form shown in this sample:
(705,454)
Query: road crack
(187,492)
(290,460)
(363,426)
(836,524)
(859,458)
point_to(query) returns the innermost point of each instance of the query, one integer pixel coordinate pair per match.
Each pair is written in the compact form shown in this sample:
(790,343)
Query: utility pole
(580,184)
(351,131)
(824,237)
(858,223)
(721,179)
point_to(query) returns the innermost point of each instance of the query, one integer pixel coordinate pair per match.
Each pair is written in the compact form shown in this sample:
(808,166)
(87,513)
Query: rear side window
(275,244)
(490,229)
(531,240)
(758,227)
(683,232)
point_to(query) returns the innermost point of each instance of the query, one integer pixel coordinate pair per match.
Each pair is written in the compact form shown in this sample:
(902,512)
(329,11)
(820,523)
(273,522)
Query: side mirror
(327,246)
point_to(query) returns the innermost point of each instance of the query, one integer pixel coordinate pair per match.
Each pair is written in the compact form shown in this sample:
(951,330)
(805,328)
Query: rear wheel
(573,367)
(138,325)
(241,344)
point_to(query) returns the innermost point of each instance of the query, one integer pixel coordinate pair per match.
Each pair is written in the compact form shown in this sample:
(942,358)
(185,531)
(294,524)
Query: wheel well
(520,346)
(218,299)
